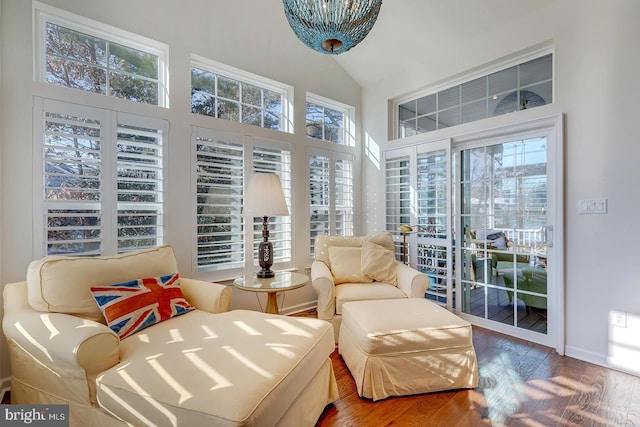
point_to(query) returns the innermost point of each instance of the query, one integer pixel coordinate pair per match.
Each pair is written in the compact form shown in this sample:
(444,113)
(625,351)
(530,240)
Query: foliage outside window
(100,195)
(236,96)
(523,86)
(79,54)
(327,120)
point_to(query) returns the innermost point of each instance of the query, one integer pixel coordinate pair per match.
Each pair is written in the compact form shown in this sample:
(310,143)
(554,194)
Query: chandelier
(331,26)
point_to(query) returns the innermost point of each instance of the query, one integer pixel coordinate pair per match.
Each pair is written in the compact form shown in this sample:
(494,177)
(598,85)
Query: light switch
(592,206)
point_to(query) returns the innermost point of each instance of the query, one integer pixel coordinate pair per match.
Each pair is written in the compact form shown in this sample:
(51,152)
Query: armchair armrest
(73,349)
(323,285)
(411,281)
(207,296)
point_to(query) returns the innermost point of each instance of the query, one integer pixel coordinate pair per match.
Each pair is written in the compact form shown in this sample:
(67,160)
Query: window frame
(251,226)
(44,14)
(108,206)
(220,69)
(348,111)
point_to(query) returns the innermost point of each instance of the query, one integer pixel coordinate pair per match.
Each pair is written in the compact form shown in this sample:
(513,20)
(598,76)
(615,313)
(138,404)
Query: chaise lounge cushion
(242,369)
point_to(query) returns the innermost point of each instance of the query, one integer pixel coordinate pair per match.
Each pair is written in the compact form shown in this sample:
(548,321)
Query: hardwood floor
(521,384)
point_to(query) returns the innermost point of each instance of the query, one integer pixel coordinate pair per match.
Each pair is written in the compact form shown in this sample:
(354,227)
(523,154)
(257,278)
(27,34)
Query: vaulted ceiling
(412,31)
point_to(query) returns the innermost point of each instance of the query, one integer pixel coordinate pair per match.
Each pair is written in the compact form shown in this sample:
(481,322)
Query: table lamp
(265,198)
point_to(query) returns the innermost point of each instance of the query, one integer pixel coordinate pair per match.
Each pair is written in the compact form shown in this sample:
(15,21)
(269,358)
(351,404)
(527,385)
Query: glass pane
(474,111)
(76,75)
(228,110)
(272,120)
(251,115)
(503,81)
(204,104)
(123,58)
(134,89)
(251,95)
(426,105)
(72,45)
(228,88)
(203,81)
(427,123)
(407,110)
(536,70)
(272,100)
(449,118)
(474,90)
(449,97)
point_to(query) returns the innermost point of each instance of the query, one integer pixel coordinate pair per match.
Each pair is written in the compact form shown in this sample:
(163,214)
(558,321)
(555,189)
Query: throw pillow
(345,264)
(379,263)
(132,306)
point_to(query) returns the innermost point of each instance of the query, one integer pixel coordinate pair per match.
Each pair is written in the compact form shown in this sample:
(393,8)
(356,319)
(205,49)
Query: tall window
(328,120)
(231,94)
(223,163)
(330,195)
(102,180)
(78,53)
(520,87)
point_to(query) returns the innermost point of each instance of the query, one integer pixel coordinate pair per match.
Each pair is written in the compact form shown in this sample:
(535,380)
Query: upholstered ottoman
(398,347)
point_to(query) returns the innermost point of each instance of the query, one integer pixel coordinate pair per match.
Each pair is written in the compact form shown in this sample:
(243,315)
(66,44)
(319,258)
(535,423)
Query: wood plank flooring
(521,384)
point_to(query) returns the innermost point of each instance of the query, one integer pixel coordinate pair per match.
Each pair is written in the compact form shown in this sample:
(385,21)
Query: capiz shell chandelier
(331,26)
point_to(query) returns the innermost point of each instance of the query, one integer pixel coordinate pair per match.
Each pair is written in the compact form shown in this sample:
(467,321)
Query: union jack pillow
(137,304)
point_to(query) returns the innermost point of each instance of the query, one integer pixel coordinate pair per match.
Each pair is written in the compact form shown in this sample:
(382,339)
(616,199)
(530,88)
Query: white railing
(524,236)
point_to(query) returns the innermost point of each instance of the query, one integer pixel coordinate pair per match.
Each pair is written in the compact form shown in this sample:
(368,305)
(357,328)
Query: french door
(485,215)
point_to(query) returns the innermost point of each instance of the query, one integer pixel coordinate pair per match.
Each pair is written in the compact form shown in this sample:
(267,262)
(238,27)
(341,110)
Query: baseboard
(598,359)
(299,308)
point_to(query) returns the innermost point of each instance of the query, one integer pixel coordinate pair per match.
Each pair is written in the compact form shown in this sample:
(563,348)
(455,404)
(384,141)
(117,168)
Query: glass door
(503,202)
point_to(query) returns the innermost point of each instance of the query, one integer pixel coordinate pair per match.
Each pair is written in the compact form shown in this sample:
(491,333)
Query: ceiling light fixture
(331,26)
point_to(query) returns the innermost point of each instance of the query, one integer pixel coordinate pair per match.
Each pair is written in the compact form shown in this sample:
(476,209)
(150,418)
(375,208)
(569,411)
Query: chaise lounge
(203,365)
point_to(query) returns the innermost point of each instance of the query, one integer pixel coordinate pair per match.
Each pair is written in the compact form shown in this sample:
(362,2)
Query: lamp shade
(265,196)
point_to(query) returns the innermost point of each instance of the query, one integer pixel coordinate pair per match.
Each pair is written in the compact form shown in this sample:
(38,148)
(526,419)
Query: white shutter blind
(278,161)
(101,180)
(398,195)
(139,187)
(344,197)
(72,182)
(219,181)
(319,171)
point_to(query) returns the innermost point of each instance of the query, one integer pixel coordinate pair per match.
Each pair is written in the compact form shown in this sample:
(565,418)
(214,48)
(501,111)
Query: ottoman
(397,347)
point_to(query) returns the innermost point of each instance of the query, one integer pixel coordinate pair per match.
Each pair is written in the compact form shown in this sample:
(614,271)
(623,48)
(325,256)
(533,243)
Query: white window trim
(482,71)
(219,68)
(43,13)
(349,115)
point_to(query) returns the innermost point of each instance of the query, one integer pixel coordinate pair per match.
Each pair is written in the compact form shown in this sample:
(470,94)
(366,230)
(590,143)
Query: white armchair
(356,268)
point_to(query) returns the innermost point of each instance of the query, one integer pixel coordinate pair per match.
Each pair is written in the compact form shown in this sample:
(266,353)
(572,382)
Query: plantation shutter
(219,191)
(278,161)
(101,180)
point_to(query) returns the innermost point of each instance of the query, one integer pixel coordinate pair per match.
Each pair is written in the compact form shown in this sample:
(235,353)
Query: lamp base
(265,274)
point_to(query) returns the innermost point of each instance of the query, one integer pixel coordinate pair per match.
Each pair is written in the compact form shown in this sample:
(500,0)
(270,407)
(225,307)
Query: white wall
(596,87)
(255,38)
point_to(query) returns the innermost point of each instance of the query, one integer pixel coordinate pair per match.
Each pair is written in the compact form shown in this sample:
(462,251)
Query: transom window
(231,94)
(328,120)
(78,53)
(520,87)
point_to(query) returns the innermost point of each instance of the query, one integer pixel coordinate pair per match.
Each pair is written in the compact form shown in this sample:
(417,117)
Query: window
(398,195)
(523,86)
(230,94)
(78,53)
(223,161)
(330,195)
(102,180)
(330,121)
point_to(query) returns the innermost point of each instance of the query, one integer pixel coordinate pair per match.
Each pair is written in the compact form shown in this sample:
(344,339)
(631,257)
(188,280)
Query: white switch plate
(619,319)
(592,206)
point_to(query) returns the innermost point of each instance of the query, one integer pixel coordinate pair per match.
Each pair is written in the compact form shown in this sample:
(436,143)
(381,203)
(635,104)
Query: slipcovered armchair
(357,268)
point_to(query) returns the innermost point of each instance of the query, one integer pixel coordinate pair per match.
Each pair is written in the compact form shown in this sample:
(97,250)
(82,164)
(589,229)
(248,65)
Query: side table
(282,282)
